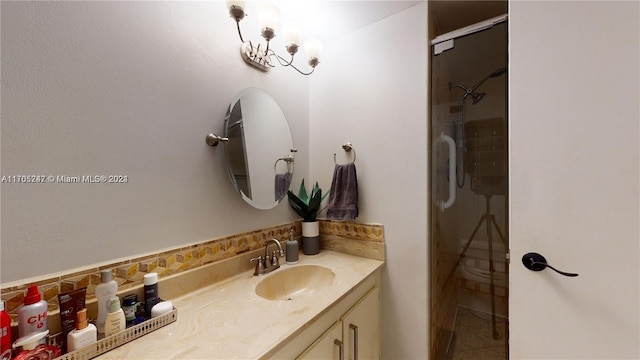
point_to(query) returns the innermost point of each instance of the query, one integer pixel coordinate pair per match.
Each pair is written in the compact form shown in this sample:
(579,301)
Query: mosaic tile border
(129,273)
(366,240)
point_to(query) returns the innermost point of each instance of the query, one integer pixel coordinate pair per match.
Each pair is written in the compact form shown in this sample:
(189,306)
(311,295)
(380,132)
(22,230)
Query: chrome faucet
(266,264)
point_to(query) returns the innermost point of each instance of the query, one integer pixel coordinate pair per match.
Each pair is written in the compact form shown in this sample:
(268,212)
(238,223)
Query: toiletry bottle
(292,249)
(84,334)
(115,321)
(5,333)
(106,290)
(70,303)
(150,292)
(32,316)
(139,314)
(129,306)
(34,347)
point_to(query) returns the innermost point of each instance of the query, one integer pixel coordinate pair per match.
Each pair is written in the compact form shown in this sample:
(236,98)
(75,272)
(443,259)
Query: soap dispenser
(292,251)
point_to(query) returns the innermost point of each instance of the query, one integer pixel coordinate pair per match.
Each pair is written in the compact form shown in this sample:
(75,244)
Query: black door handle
(537,262)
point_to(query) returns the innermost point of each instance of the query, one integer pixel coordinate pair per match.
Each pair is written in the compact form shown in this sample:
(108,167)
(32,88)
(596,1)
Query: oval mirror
(259,153)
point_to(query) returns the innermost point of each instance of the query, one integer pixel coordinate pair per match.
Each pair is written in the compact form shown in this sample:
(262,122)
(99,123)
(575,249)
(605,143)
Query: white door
(574,185)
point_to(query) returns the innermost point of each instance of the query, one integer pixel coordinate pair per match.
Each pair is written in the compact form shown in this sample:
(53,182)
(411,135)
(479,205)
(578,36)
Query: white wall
(372,91)
(124,88)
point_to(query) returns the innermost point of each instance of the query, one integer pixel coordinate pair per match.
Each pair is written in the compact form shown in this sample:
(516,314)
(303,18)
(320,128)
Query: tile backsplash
(350,237)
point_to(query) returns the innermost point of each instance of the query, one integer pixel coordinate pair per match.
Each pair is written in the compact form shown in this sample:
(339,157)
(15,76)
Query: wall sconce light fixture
(262,58)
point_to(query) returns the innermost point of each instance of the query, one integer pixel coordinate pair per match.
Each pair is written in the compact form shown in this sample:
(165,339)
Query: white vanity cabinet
(355,337)
(361,328)
(328,347)
(352,322)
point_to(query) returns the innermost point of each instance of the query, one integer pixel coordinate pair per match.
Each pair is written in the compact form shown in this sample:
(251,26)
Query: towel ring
(288,159)
(348,148)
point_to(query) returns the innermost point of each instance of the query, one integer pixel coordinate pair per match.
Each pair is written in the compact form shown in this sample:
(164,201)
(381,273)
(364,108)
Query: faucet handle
(274,258)
(259,266)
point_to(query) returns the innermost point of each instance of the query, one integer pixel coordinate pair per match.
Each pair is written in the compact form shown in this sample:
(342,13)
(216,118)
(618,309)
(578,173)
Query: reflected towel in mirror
(282,185)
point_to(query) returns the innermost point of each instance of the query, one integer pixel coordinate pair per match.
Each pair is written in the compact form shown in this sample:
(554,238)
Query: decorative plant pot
(310,237)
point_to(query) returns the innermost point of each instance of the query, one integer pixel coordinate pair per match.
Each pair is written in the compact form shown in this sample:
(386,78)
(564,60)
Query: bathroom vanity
(325,304)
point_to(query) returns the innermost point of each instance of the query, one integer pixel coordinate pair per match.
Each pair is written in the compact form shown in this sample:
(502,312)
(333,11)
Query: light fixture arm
(239,32)
(281,59)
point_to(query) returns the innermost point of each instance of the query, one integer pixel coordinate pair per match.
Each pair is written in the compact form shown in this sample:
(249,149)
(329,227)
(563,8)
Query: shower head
(468,92)
(472,91)
(498,72)
(494,74)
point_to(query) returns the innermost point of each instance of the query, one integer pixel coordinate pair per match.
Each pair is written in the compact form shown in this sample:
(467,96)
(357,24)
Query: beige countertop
(227,320)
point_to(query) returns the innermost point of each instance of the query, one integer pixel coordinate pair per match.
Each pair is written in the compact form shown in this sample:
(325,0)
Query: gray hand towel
(343,200)
(282,183)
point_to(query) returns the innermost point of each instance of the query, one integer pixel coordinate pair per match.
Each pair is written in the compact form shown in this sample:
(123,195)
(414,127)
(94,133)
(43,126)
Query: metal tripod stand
(490,219)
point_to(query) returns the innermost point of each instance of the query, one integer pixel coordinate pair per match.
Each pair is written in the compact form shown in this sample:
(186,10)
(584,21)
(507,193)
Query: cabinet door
(361,328)
(328,346)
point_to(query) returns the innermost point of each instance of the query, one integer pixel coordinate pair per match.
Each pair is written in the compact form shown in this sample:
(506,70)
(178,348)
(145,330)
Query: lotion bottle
(292,251)
(84,334)
(32,316)
(115,321)
(106,290)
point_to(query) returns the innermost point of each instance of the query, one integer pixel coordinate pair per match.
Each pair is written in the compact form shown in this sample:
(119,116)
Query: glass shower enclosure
(469,235)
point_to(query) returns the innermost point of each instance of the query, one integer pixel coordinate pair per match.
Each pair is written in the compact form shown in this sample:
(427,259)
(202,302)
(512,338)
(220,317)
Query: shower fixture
(458,126)
(476,97)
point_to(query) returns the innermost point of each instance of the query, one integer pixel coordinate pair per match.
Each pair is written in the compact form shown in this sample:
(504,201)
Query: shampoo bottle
(115,321)
(5,333)
(32,316)
(292,251)
(104,292)
(84,334)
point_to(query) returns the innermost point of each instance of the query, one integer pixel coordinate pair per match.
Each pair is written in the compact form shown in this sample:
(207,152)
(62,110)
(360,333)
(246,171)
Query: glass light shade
(239,3)
(291,33)
(236,9)
(267,15)
(313,48)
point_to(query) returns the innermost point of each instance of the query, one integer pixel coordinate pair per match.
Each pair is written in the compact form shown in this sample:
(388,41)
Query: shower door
(469,277)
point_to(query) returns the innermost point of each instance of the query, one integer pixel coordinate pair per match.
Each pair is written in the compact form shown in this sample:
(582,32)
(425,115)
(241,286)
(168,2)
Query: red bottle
(5,333)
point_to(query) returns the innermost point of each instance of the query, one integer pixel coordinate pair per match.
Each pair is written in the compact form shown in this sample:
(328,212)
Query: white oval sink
(294,282)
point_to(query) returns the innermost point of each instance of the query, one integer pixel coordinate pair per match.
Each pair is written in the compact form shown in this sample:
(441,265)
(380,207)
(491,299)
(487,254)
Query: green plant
(307,206)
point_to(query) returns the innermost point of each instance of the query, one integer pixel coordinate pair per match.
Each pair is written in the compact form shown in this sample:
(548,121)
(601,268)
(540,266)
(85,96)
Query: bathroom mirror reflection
(259,153)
